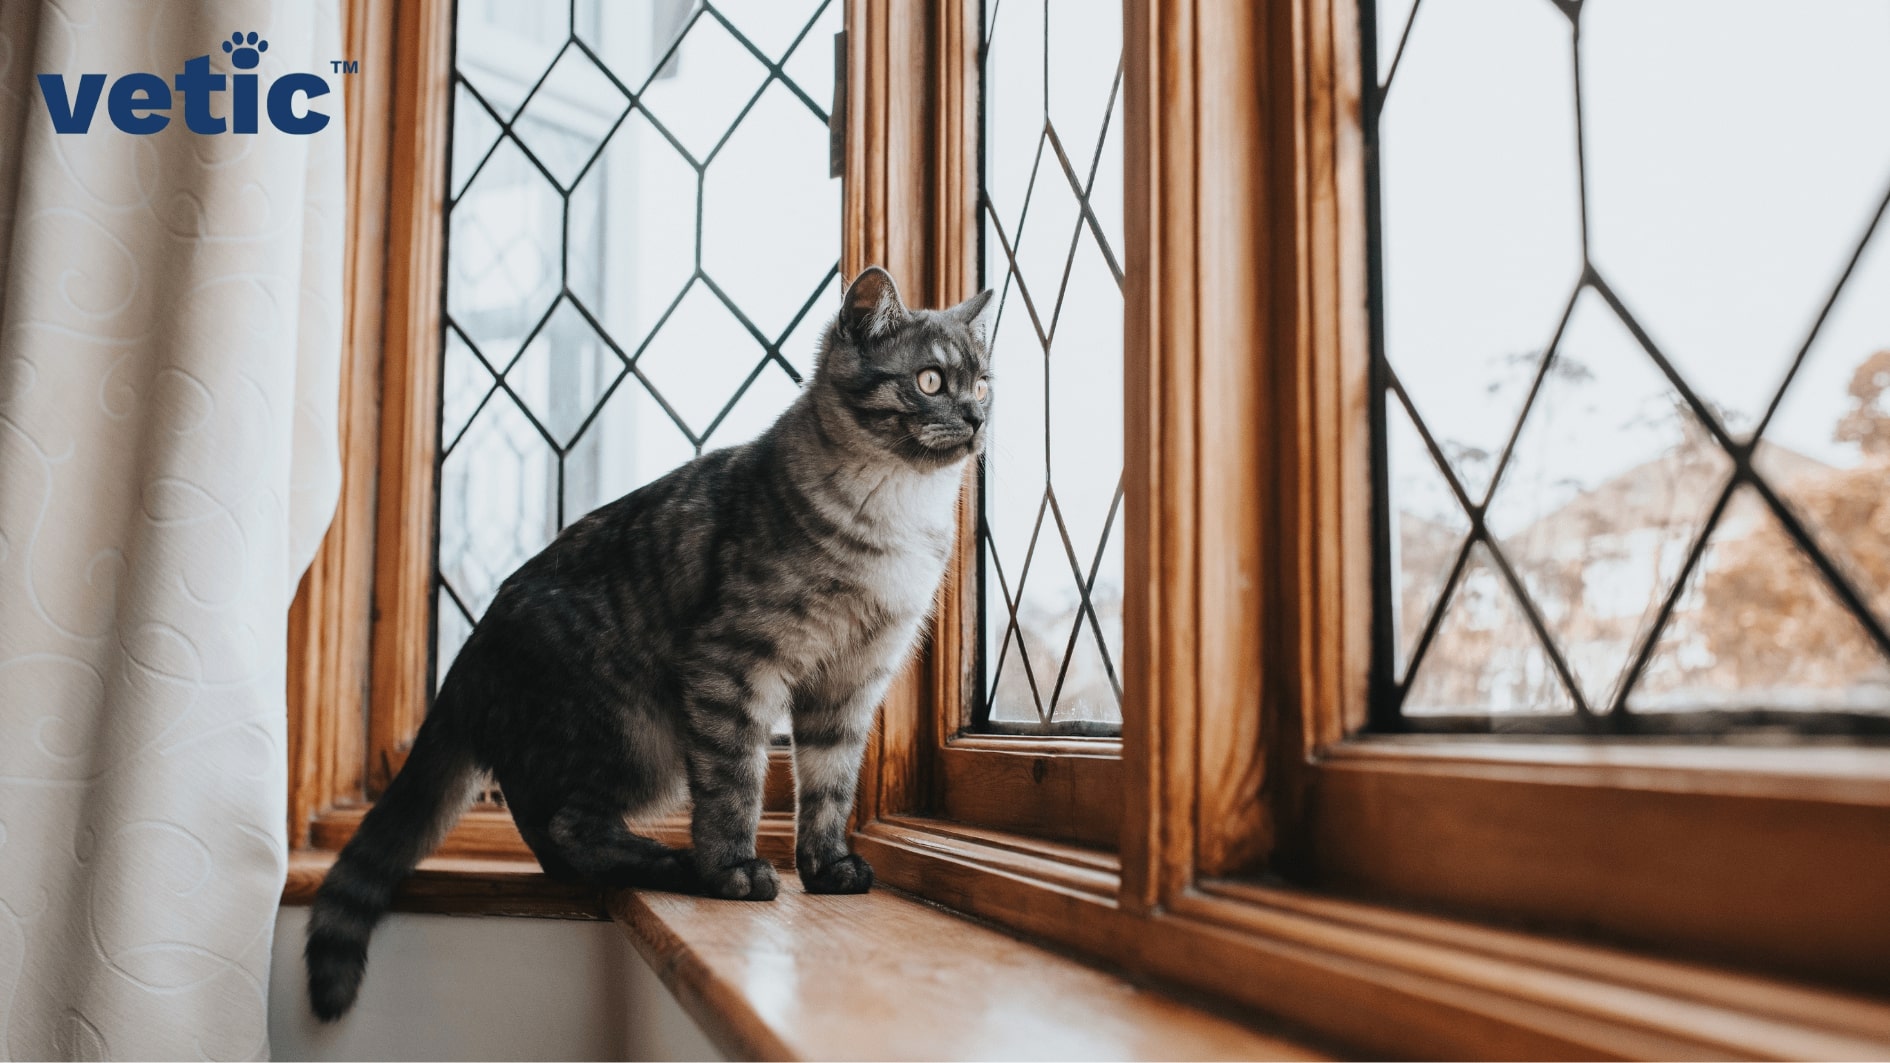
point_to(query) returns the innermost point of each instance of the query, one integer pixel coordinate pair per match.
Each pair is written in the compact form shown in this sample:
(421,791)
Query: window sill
(879,976)
(1770,859)
(885,976)
(1382,980)
(1839,774)
(463,885)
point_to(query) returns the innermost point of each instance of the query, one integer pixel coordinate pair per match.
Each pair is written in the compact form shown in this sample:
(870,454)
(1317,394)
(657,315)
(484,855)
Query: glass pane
(503,272)
(1608,236)
(1105,193)
(640,186)
(632,442)
(1016,700)
(697,358)
(699,99)
(465,386)
(1734,148)
(1611,481)
(1759,629)
(567,119)
(563,373)
(1429,527)
(1079,78)
(658,291)
(1828,449)
(1052,579)
(1481,224)
(771,178)
(1394,18)
(501,47)
(498,495)
(1085,391)
(1485,659)
(1013,118)
(475,133)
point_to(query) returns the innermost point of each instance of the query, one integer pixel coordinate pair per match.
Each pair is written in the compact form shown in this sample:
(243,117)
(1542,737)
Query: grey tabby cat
(649,650)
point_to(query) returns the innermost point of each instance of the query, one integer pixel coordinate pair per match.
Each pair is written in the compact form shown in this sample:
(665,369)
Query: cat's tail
(409,820)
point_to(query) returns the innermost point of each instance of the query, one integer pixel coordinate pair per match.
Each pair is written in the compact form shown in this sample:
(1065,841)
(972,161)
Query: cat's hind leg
(532,816)
(592,839)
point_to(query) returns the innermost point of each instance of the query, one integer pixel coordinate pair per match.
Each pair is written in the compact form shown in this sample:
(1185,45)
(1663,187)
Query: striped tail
(405,825)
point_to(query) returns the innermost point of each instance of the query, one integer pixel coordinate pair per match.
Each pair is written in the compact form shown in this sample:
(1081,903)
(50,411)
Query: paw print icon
(244,49)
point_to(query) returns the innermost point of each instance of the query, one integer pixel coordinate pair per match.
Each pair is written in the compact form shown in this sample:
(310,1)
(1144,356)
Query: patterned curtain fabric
(170,317)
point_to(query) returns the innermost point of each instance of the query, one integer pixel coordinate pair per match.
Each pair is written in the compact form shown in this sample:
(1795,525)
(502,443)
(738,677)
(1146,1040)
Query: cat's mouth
(945,443)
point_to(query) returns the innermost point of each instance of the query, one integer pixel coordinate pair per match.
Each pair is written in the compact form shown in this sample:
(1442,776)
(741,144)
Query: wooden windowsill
(878,976)
(463,885)
(1838,773)
(1767,859)
(885,976)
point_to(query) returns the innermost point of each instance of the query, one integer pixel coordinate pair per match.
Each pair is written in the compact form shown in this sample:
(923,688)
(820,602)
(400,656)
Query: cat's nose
(973,414)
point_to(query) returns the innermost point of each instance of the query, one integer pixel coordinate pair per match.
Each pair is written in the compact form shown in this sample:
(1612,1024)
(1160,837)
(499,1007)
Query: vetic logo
(141,103)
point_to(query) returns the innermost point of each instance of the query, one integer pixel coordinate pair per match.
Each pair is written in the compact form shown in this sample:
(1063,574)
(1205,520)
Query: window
(1254,831)
(1652,844)
(556,330)
(916,177)
(1633,350)
(1264,825)
(642,246)
(1050,544)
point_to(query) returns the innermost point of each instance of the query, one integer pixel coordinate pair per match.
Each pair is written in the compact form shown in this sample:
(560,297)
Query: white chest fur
(914,515)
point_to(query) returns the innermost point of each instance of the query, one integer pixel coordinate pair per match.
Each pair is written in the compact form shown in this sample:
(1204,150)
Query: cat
(647,653)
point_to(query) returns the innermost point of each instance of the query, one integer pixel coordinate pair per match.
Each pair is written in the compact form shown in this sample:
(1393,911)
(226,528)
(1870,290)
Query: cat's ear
(974,313)
(872,308)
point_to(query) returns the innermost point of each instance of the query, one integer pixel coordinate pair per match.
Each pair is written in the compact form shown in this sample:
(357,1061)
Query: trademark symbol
(345,66)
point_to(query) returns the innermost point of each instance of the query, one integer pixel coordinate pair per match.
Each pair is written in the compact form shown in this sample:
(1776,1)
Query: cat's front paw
(849,874)
(748,880)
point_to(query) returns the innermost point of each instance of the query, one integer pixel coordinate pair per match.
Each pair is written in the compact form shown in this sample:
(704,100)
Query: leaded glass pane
(643,240)
(1632,325)
(1051,201)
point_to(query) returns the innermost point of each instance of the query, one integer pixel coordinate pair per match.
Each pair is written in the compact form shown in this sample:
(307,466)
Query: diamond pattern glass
(1721,163)
(642,245)
(1050,534)
(1632,339)
(1481,234)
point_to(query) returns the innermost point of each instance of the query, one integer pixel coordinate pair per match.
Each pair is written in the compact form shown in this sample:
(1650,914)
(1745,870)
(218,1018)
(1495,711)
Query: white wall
(471,987)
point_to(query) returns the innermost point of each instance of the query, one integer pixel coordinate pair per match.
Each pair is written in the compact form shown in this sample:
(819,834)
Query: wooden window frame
(363,615)
(910,204)
(1239,839)
(1248,638)
(1770,859)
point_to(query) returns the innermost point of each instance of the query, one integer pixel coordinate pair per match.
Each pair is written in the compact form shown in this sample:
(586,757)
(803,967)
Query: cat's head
(914,383)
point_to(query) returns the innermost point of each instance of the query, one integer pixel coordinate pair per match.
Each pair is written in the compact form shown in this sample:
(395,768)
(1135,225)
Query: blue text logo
(141,103)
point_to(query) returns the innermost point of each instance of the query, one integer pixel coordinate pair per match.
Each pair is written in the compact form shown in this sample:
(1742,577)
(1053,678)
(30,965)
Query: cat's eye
(930,381)
(981,390)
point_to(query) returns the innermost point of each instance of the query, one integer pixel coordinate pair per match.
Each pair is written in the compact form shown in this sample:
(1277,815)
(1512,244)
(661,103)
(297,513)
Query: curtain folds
(170,322)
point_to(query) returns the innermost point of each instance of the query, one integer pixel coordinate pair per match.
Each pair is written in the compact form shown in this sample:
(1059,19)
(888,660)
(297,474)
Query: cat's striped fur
(646,654)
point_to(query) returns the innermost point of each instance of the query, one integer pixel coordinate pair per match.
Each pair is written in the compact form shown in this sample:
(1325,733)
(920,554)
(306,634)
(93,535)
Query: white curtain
(169,341)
